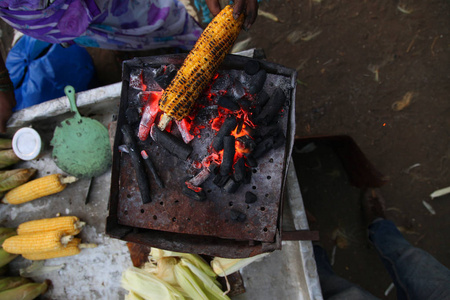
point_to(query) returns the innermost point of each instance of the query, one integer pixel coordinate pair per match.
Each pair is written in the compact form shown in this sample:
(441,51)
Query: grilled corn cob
(37,188)
(200,66)
(36,242)
(70,225)
(73,248)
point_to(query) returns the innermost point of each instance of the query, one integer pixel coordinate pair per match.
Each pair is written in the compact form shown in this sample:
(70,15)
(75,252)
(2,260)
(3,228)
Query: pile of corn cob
(175,275)
(17,287)
(47,238)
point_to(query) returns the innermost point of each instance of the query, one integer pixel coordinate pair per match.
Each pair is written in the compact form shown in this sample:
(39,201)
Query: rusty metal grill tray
(175,222)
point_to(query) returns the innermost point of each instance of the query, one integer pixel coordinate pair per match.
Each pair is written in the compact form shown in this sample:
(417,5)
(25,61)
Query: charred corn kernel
(200,66)
(73,248)
(37,188)
(36,242)
(70,225)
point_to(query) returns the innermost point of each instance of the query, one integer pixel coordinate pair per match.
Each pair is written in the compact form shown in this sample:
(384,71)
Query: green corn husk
(6,233)
(197,260)
(148,286)
(6,258)
(13,178)
(210,286)
(5,144)
(12,282)
(26,291)
(8,158)
(186,279)
(226,266)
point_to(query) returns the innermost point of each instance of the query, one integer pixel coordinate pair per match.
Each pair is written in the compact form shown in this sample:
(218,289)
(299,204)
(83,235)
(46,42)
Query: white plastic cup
(27,143)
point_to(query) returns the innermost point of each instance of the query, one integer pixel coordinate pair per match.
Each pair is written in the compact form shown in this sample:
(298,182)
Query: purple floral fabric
(110,24)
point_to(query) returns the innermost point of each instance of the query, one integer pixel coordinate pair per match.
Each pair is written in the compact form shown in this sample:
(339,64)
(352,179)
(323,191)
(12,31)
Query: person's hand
(7,102)
(248,7)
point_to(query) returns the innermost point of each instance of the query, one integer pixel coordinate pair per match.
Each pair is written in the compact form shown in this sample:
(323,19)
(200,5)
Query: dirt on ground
(377,71)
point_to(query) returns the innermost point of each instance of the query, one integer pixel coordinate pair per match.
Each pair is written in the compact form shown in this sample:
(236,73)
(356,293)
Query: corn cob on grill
(200,66)
(70,225)
(36,242)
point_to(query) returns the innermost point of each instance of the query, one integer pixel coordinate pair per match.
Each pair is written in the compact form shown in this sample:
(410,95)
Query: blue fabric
(40,70)
(416,274)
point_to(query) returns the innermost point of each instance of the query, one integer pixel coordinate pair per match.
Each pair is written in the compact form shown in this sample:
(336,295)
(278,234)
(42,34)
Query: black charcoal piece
(272,107)
(152,168)
(228,103)
(246,143)
(141,176)
(171,143)
(251,67)
(164,75)
(229,149)
(195,193)
(239,170)
(231,186)
(251,161)
(227,127)
(257,82)
(132,115)
(263,147)
(262,99)
(220,180)
(236,215)
(250,198)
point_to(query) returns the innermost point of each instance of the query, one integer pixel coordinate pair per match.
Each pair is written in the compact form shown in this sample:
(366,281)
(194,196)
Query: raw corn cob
(200,66)
(70,225)
(73,248)
(37,188)
(36,242)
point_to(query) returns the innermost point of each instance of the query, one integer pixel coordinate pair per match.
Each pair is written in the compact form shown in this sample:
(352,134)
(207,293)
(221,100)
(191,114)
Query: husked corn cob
(70,225)
(73,248)
(37,188)
(36,242)
(200,66)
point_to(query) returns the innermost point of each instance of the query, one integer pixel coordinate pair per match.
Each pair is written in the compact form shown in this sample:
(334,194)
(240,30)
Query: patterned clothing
(108,24)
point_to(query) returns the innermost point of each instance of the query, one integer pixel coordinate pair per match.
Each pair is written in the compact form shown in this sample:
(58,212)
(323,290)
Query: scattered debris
(403,9)
(333,255)
(406,231)
(429,207)
(301,35)
(268,15)
(389,289)
(241,46)
(439,193)
(375,69)
(402,104)
(411,167)
(341,238)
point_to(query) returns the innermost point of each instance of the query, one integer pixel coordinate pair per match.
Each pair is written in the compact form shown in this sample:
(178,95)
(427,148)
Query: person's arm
(248,7)
(7,98)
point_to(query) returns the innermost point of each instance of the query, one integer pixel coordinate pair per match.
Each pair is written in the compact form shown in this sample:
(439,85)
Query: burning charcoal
(272,107)
(251,161)
(236,215)
(152,169)
(228,154)
(136,81)
(201,177)
(220,180)
(245,103)
(250,198)
(251,67)
(239,170)
(141,176)
(164,75)
(237,89)
(262,148)
(174,145)
(257,82)
(228,103)
(227,127)
(231,186)
(183,127)
(245,144)
(132,115)
(193,192)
